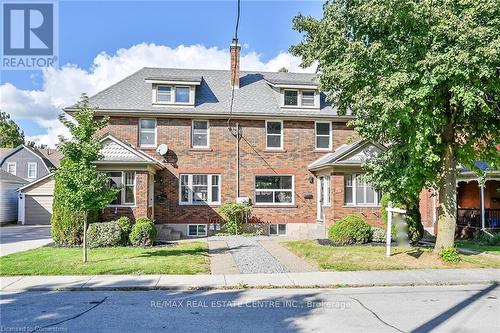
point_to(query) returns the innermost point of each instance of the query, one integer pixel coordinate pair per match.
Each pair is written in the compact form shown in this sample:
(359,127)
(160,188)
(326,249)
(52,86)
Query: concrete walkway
(290,260)
(221,260)
(228,281)
(23,237)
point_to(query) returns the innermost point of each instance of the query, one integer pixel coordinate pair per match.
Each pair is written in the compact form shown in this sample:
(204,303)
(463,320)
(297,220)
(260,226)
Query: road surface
(23,237)
(391,309)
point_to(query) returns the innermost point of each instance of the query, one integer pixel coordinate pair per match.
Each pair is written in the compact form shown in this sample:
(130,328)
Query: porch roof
(116,151)
(354,154)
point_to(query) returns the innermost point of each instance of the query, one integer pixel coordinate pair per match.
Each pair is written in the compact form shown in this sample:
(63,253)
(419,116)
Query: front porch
(478,207)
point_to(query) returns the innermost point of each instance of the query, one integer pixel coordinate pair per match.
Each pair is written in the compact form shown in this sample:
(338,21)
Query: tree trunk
(85,237)
(447,215)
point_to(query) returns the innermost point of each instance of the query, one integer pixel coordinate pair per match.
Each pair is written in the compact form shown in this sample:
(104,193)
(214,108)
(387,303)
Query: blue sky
(87,28)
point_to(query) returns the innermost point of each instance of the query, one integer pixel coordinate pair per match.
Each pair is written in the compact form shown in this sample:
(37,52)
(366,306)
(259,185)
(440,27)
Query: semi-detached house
(282,146)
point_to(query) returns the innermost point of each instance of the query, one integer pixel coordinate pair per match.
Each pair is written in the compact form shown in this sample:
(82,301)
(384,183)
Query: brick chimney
(235,64)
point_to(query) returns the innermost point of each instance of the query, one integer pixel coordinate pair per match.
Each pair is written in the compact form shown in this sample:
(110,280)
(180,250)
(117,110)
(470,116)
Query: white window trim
(190,201)
(35,169)
(281,135)
(273,190)
(299,99)
(15,168)
(173,101)
(330,140)
(192,133)
(155,130)
(122,190)
(277,229)
(197,230)
(354,201)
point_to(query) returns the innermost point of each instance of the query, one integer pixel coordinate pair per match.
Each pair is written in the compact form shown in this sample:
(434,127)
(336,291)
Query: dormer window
(164,94)
(181,94)
(291,97)
(301,98)
(307,98)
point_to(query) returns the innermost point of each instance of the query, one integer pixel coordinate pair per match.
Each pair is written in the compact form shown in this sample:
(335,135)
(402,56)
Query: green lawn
(183,258)
(358,258)
(493,249)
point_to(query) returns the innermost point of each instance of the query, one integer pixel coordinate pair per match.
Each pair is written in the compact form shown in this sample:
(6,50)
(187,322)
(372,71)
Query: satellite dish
(162,149)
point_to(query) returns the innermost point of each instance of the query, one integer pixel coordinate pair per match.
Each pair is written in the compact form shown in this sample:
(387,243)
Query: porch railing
(472,217)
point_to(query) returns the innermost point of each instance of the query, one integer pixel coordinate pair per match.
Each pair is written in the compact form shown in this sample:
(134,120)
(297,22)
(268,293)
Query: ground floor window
(277,229)
(197,230)
(125,181)
(359,193)
(199,189)
(274,189)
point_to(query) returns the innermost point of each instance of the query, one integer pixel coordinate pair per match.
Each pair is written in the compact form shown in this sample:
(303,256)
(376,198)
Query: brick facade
(298,152)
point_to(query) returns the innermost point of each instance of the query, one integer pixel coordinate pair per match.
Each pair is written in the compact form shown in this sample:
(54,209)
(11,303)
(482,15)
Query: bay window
(198,189)
(274,190)
(359,193)
(125,181)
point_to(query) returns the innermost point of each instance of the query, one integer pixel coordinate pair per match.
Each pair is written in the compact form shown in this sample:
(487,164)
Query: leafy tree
(80,187)
(10,134)
(421,77)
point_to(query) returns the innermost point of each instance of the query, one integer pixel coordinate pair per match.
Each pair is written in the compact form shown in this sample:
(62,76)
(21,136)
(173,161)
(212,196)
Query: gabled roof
(35,182)
(354,154)
(46,161)
(115,150)
(255,96)
(10,178)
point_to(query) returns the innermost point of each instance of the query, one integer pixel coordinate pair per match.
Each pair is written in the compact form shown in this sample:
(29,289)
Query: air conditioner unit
(243,200)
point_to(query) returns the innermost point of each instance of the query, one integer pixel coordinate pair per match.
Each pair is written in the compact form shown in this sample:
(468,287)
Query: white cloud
(62,87)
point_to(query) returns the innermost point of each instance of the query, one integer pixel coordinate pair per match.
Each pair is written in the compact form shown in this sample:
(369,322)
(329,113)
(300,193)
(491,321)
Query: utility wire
(233,68)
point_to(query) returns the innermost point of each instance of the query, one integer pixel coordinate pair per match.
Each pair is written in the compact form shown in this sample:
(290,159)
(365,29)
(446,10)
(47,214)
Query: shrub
(486,239)
(412,218)
(378,235)
(449,254)
(67,226)
(233,215)
(126,226)
(143,232)
(350,230)
(104,234)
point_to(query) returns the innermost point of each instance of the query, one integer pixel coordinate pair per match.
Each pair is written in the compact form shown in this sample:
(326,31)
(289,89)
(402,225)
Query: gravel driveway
(250,256)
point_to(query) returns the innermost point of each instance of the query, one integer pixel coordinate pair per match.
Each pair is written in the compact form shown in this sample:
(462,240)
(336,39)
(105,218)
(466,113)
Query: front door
(322,196)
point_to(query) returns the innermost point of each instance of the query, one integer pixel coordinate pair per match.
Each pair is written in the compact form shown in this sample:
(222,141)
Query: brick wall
(140,208)
(298,152)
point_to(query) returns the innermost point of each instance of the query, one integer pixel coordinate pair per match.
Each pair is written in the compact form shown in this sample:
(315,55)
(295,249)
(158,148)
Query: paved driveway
(21,238)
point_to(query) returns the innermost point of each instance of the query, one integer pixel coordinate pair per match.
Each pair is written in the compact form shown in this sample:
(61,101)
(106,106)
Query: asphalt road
(23,237)
(392,309)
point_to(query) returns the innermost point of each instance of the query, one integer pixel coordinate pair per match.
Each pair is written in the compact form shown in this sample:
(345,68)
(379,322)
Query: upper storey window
(300,98)
(182,94)
(164,94)
(291,97)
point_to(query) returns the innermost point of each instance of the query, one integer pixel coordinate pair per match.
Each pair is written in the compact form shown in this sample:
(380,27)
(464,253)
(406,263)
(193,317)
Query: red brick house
(291,159)
(180,142)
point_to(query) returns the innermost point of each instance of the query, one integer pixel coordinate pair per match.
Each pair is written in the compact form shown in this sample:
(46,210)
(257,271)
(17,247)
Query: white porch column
(481,191)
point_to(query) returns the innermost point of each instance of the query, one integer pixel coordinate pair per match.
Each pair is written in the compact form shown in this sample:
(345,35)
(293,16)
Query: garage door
(38,209)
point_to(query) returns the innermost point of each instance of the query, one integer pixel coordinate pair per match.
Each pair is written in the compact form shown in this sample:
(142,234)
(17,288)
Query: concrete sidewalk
(281,280)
